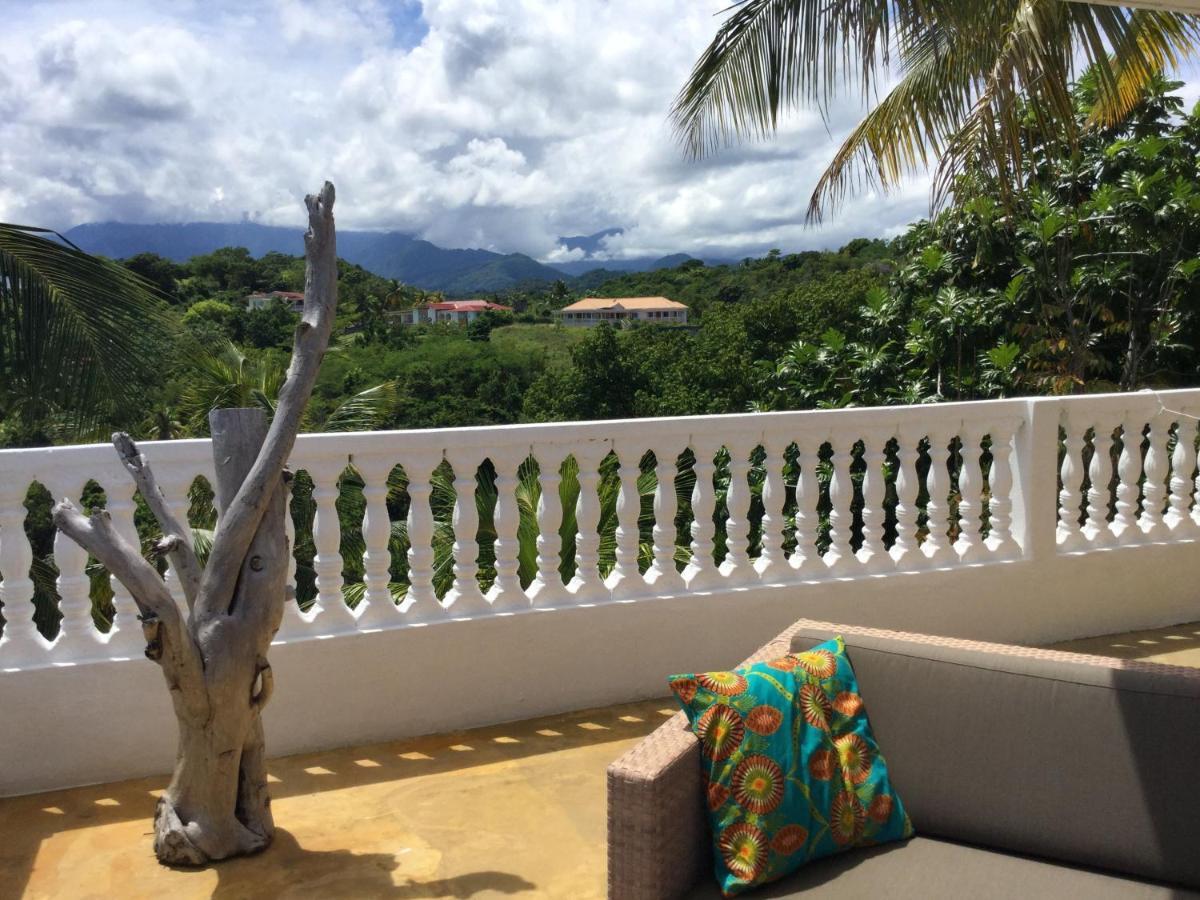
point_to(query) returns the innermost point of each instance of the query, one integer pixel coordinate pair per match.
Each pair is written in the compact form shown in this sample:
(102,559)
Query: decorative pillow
(793,771)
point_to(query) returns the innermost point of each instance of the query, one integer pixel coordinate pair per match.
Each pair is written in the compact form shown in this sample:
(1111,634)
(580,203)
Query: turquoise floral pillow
(793,771)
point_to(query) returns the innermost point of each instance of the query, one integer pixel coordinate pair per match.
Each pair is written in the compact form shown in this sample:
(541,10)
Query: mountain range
(391,254)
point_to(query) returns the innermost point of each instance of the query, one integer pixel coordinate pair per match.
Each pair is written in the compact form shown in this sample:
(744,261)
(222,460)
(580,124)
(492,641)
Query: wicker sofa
(1027,773)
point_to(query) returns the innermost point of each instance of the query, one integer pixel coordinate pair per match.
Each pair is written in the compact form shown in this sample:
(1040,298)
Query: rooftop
(514,809)
(600,303)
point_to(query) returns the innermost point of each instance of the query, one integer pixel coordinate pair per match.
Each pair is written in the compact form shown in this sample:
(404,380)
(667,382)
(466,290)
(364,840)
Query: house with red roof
(453,312)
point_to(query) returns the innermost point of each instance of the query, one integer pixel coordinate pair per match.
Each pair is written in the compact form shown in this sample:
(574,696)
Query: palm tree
(76,332)
(970,76)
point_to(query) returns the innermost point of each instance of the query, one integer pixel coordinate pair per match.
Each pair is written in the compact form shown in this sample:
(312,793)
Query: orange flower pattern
(764,719)
(793,771)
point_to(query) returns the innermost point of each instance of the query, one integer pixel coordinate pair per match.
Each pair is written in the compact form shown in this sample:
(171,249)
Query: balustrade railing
(410,528)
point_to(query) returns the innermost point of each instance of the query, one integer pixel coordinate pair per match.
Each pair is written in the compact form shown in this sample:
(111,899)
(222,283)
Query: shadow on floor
(25,822)
(1157,642)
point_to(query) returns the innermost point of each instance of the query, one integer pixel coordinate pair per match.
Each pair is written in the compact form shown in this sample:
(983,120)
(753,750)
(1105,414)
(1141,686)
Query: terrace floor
(508,810)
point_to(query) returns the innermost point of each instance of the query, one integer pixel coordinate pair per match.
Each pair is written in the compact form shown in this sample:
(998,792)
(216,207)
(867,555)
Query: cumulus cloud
(493,123)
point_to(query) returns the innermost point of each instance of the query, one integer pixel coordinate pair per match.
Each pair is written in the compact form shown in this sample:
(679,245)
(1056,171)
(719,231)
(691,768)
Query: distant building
(293,300)
(594,310)
(454,312)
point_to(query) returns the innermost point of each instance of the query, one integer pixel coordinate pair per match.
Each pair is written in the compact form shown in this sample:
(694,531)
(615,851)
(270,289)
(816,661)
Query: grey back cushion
(1070,761)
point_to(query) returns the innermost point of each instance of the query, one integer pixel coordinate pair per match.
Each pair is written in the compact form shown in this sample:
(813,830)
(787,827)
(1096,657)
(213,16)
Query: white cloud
(494,123)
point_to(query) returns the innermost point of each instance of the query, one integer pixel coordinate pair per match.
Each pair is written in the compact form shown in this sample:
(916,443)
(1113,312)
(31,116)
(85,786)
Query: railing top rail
(195,453)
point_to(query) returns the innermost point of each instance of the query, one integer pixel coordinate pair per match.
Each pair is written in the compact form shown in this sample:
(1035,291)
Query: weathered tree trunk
(214,654)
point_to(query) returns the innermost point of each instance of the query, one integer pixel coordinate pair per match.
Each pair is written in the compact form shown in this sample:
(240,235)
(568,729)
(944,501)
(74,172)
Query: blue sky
(492,123)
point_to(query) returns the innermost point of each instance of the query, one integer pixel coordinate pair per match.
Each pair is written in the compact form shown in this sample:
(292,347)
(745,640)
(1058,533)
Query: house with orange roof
(617,310)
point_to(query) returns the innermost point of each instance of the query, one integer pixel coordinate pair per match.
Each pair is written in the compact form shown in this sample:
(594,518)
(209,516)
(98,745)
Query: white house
(454,312)
(594,310)
(293,300)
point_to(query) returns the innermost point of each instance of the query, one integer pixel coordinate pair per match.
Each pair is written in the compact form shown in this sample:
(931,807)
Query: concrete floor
(510,810)
(1178,645)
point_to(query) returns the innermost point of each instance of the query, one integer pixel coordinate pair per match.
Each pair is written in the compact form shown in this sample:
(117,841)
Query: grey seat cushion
(1053,757)
(930,869)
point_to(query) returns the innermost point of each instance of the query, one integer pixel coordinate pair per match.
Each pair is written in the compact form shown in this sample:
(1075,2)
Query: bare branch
(181,553)
(96,534)
(240,522)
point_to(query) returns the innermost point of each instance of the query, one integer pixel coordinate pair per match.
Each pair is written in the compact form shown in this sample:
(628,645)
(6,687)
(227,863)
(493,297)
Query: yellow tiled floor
(1178,645)
(509,810)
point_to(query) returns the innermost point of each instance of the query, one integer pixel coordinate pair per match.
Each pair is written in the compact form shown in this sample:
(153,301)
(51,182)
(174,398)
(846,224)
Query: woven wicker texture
(658,841)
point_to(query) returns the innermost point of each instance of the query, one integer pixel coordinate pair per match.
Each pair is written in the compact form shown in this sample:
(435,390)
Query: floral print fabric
(793,771)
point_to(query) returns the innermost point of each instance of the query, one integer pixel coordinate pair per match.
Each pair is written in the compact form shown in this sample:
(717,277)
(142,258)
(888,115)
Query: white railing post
(465,598)
(701,572)
(736,564)
(77,637)
(937,548)
(506,594)
(547,589)
(1070,497)
(1000,541)
(295,623)
(335,615)
(377,609)
(662,575)
(421,602)
(872,554)
(587,586)
(625,580)
(841,498)
(22,644)
(1035,476)
(1129,472)
(1183,461)
(1097,529)
(125,639)
(1154,490)
(772,564)
(970,494)
(908,487)
(805,558)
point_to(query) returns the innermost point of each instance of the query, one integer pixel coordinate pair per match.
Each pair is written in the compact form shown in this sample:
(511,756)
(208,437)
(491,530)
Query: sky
(501,124)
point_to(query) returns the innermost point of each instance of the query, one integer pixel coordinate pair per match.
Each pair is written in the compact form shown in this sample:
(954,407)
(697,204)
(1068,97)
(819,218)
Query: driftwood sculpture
(214,653)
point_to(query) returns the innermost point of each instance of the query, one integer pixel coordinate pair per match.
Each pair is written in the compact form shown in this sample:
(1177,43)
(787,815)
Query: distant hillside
(641,264)
(389,254)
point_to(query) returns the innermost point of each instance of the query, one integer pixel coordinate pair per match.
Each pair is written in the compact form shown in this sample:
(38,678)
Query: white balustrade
(465,598)
(377,609)
(295,623)
(1183,462)
(1129,472)
(908,486)
(937,547)
(77,637)
(805,559)
(1167,512)
(1097,529)
(327,540)
(506,594)
(662,575)
(22,644)
(737,527)
(421,603)
(1000,541)
(970,495)
(772,564)
(547,589)
(871,553)
(124,639)
(1154,491)
(841,497)
(1070,537)
(587,586)
(625,580)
